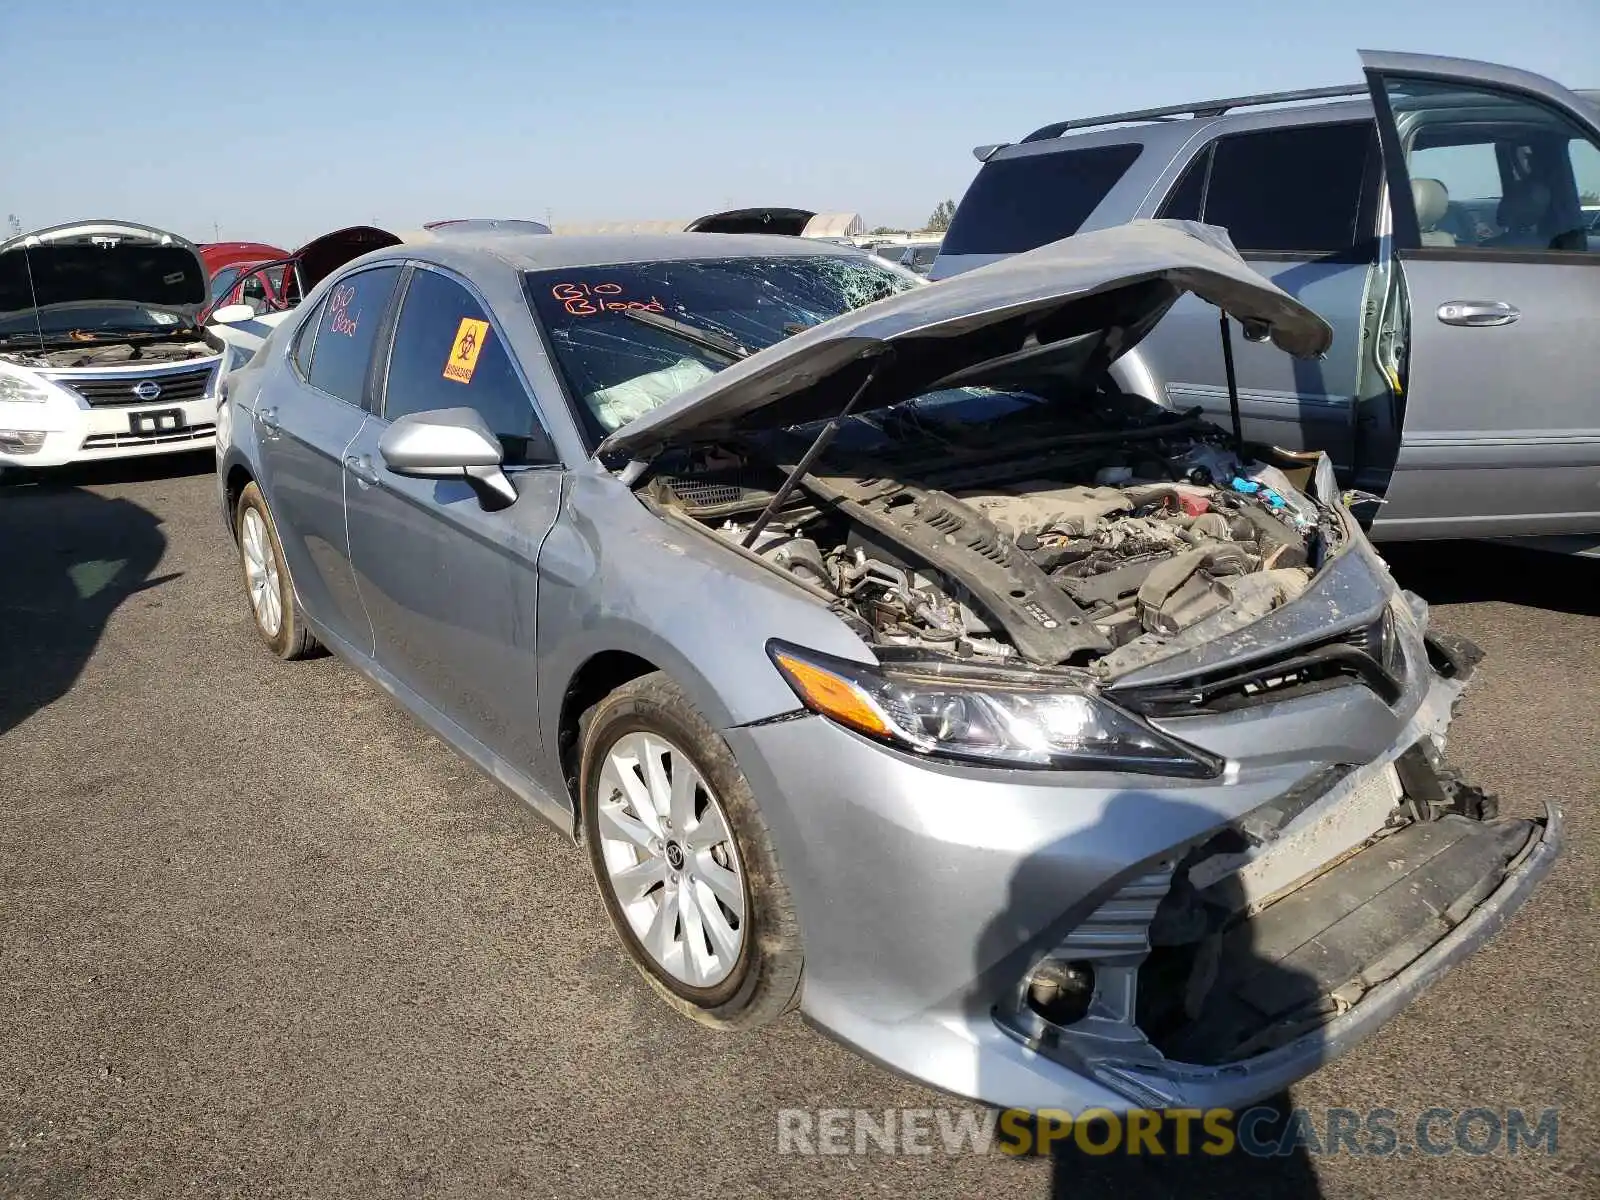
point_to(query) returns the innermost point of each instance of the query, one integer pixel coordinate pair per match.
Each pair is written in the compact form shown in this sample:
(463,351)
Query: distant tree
(940,220)
(1589,198)
(884,229)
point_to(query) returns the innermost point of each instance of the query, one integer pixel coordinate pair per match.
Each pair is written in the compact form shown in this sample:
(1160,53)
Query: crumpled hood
(115,261)
(1113,284)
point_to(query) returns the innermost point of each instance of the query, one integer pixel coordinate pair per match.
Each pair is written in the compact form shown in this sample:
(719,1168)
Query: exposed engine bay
(1109,550)
(108,352)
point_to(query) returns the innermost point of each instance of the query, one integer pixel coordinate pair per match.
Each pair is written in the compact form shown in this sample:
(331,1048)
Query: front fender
(614,576)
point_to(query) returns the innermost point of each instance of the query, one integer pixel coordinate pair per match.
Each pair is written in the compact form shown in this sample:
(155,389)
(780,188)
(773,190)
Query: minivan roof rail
(1205,108)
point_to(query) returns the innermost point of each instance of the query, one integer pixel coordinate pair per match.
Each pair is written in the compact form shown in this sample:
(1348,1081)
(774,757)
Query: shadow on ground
(1474,572)
(71,557)
(15,483)
(1282,1175)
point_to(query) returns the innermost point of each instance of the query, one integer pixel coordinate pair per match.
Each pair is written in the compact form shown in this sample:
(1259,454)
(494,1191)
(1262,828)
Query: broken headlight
(1005,723)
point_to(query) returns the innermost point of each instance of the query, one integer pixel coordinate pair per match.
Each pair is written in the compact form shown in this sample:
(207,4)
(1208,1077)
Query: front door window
(1492,171)
(448,354)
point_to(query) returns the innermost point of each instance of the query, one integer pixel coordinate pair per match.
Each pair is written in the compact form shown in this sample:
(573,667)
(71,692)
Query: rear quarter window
(1020,203)
(305,340)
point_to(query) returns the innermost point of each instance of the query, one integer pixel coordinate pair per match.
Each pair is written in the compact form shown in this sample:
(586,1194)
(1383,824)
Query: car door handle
(269,421)
(366,474)
(1477,313)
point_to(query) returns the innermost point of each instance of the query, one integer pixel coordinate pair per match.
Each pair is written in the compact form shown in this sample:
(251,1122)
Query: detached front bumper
(927,892)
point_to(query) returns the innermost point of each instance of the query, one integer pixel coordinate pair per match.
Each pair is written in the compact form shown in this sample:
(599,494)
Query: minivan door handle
(366,474)
(1476,313)
(268,418)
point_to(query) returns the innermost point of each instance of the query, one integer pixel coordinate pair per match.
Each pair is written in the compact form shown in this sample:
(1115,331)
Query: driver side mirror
(449,443)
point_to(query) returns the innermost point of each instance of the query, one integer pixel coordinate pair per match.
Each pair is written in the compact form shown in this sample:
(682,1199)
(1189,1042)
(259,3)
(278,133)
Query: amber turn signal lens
(832,696)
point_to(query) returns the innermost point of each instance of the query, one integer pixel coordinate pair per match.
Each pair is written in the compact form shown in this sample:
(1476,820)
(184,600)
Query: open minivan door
(1487,167)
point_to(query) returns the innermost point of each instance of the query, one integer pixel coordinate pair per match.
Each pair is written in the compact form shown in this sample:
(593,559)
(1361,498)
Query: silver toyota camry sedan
(888,657)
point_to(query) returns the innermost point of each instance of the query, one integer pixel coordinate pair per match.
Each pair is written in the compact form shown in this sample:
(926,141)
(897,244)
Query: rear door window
(447,354)
(347,330)
(1299,188)
(1020,203)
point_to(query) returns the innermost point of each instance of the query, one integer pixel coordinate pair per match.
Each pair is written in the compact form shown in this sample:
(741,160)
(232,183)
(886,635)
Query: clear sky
(282,120)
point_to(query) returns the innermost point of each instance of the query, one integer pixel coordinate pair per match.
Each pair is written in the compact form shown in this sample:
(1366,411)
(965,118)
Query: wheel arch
(233,486)
(595,678)
(234,474)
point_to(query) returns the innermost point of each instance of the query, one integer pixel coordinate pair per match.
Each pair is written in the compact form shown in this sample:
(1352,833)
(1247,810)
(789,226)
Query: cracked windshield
(629,338)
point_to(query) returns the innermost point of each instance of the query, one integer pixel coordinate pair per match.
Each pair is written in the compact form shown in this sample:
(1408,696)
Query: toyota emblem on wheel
(147,389)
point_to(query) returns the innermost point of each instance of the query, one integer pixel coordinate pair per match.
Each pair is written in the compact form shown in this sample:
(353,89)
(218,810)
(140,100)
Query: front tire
(683,860)
(267,582)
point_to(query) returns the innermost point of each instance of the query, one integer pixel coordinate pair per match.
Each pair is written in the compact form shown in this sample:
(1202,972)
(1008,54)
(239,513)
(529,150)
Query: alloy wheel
(670,860)
(261,572)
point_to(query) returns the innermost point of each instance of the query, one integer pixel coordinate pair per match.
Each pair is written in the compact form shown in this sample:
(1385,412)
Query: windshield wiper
(706,339)
(50,341)
(65,338)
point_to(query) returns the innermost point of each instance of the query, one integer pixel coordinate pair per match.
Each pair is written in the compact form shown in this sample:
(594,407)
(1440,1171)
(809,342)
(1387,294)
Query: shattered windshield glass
(690,320)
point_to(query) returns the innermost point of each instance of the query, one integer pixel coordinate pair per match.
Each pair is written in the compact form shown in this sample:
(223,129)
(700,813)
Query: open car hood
(324,255)
(1088,298)
(788,221)
(101,261)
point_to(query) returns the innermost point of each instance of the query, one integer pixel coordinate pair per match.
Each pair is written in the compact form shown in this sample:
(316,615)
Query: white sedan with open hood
(100,354)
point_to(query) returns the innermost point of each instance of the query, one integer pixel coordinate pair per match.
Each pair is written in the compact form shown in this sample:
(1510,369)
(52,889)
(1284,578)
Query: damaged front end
(1228,969)
(1102,548)
(953,472)
(1050,576)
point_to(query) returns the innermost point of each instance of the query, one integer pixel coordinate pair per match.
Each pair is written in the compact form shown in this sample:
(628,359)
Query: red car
(226,261)
(272,283)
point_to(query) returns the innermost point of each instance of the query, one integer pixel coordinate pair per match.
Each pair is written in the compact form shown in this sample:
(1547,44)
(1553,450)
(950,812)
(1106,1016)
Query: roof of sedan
(538,252)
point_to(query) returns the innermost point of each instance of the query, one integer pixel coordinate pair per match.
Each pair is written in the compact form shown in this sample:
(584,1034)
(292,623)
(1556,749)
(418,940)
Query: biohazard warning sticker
(464,350)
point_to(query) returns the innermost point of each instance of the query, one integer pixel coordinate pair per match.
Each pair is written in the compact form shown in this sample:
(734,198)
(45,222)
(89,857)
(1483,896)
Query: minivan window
(1028,200)
(1292,189)
(1187,200)
(1490,170)
(347,330)
(448,355)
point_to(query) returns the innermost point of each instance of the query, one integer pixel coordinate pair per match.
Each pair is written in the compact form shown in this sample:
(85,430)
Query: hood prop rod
(818,445)
(1233,382)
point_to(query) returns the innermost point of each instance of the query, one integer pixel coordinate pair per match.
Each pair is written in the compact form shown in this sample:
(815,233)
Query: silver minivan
(1434,214)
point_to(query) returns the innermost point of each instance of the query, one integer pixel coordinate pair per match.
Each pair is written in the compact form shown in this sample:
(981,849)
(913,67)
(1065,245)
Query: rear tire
(692,883)
(268,585)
